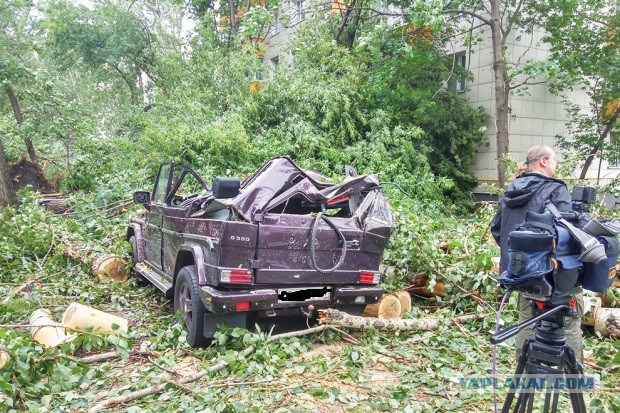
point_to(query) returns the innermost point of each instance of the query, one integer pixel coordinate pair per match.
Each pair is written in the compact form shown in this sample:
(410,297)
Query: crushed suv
(280,241)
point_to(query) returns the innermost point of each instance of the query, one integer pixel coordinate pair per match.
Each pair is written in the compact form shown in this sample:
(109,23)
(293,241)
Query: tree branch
(343,24)
(511,21)
(159,388)
(469,13)
(599,143)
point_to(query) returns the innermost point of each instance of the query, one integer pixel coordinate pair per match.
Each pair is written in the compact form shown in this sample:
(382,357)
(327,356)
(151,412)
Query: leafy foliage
(111,90)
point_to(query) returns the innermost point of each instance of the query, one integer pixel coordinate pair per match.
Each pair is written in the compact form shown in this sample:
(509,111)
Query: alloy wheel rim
(185,303)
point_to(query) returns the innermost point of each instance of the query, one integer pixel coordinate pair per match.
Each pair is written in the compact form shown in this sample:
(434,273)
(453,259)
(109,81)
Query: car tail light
(242,306)
(238,276)
(338,199)
(370,277)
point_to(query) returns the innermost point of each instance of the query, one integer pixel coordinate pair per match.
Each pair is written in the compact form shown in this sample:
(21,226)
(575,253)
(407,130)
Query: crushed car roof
(280,179)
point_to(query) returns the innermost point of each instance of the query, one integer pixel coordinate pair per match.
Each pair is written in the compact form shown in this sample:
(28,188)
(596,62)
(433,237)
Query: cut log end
(387,307)
(110,267)
(405,302)
(4,358)
(80,317)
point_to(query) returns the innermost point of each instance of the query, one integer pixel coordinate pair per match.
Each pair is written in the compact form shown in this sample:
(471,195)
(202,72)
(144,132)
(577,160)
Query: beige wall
(538,116)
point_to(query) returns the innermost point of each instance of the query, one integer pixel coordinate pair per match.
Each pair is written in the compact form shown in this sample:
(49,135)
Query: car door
(155,216)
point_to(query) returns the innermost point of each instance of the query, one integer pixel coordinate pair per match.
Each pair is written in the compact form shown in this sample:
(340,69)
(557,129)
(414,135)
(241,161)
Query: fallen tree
(331,316)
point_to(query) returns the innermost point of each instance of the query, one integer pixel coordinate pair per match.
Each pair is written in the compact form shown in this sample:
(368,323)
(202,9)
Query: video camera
(552,253)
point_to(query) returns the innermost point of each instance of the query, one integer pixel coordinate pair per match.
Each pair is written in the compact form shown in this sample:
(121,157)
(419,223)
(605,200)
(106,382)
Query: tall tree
(584,43)
(503,19)
(17,58)
(109,39)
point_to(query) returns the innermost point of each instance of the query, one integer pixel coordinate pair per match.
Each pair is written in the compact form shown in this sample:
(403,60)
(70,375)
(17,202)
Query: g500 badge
(238,238)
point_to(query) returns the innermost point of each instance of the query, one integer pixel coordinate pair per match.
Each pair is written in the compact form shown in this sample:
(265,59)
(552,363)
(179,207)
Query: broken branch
(331,316)
(126,398)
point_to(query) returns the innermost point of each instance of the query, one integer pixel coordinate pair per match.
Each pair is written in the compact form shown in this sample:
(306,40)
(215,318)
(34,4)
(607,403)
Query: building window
(457,80)
(298,8)
(275,61)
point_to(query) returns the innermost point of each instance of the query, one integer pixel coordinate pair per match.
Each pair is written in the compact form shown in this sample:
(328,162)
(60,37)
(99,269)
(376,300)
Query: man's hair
(533,155)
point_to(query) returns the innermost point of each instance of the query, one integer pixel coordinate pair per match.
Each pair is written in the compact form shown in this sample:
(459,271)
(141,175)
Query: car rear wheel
(140,280)
(187,303)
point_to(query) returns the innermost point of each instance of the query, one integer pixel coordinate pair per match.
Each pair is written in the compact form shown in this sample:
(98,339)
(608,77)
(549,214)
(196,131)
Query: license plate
(304,294)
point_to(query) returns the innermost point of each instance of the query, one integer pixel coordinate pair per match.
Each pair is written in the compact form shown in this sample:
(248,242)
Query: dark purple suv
(279,241)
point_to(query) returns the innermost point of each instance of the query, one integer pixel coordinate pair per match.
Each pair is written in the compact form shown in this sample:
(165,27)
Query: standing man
(532,188)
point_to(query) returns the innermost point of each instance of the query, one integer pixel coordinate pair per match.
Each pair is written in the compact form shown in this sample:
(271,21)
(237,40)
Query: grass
(382,371)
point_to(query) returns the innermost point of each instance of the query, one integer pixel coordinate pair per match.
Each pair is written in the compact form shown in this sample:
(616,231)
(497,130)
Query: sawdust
(324,350)
(187,366)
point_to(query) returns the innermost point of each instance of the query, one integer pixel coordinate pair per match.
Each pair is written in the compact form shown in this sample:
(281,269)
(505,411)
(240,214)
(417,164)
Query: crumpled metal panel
(281,179)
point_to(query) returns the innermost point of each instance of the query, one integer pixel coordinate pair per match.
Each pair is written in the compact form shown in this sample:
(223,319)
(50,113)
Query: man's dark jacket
(529,191)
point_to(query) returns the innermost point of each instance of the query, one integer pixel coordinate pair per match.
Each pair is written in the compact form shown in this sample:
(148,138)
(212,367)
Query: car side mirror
(142,197)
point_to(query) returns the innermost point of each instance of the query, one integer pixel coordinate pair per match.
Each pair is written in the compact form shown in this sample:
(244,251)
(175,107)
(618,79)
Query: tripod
(544,362)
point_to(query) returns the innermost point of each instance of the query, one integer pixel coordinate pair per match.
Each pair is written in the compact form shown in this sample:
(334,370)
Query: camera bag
(598,277)
(531,253)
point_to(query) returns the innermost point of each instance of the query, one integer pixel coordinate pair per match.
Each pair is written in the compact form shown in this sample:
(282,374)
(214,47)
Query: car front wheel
(187,303)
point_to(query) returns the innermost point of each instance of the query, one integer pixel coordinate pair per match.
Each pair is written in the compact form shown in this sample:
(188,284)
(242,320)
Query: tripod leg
(573,367)
(530,404)
(521,403)
(518,372)
(548,394)
(556,397)
(578,403)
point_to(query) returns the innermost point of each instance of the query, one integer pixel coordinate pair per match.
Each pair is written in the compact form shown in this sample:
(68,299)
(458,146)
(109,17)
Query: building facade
(537,115)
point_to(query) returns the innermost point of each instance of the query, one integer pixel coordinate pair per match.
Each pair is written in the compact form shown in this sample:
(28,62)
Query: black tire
(187,302)
(140,280)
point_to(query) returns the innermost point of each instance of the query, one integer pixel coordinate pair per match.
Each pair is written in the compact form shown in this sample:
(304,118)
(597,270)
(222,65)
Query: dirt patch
(26,173)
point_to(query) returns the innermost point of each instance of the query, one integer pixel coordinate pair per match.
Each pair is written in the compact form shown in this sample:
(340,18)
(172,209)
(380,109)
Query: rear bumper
(221,301)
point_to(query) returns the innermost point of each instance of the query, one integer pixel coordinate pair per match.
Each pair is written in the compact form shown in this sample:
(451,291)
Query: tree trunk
(331,316)
(110,267)
(501,92)
(7,192)
(4,357)
(419,286)
(345,19)
(233,23)
(355,24)
(20,119)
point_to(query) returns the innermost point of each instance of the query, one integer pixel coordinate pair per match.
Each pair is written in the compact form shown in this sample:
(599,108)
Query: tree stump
(405,301)
(110,267)
(608,322)
(387,307)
